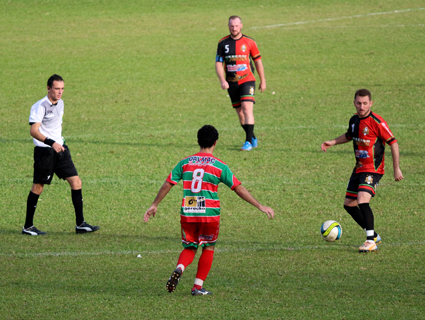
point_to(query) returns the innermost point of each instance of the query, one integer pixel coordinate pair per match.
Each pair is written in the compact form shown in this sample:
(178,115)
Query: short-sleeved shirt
(201,174)
(369,137)
(50,116)
(237,56)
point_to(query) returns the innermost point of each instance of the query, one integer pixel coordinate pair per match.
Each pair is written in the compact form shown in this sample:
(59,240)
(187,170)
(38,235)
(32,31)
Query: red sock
(204,264)
(186,257)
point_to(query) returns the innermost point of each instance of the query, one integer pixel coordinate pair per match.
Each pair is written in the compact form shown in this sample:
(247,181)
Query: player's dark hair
(363,93)
(235,17)
(55,77)
(207,136)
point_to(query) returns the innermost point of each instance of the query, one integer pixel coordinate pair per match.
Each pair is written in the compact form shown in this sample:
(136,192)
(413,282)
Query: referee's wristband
(49,141)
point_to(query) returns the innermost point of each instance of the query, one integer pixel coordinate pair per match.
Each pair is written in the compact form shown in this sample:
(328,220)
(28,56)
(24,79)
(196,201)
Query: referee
(51,156)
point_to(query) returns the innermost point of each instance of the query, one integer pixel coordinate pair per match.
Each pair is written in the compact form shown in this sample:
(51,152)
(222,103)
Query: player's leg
(354,211)
(249,130)
(367,185)
(77,198)
(185,259)
(350,202)
(247,99)
(43,173)
(204,267)
(369,245)
(32,201)
(208,235)
(65,169)
(248,112)
(364,200)
(240,96)
(81,226)
(241,116)
(235,98)
(189,234)
(351,205)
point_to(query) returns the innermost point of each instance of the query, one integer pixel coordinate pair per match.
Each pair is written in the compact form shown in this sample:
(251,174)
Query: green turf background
(140,82)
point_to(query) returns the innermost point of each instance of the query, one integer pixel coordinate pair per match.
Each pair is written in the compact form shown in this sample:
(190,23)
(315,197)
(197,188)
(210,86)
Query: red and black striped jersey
(369,137)
(237,56)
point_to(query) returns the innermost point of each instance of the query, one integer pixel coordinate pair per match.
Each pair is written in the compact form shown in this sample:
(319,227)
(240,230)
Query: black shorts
(364,181)
(241,93)
(47,162)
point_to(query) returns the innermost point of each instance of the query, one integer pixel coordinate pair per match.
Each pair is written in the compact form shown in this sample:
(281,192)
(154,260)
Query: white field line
(368,26)
(338,18)
(145,253)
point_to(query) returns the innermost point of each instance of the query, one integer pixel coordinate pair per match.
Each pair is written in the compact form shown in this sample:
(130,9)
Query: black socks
(249,131)
(31,206)
(77,201)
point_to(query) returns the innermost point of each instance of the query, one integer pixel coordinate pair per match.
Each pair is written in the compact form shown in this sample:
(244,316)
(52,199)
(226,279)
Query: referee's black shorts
(47,162)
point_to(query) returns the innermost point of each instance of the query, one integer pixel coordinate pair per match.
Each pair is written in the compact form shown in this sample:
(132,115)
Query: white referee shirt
(50,117)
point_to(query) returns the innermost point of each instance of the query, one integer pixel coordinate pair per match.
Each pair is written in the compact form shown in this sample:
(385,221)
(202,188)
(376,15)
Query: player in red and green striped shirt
(200,212)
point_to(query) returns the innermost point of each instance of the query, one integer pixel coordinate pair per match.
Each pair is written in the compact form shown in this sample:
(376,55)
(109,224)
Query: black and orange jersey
(237,56)
(369,136)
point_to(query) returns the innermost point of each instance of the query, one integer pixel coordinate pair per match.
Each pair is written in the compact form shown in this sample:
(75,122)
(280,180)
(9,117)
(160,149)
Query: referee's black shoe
(32,231)
(85,227)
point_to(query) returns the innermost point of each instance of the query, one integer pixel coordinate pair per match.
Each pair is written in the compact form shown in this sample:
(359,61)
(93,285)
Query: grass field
(140,82)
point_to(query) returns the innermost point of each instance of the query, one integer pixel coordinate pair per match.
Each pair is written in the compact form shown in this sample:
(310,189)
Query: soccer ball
(331,230)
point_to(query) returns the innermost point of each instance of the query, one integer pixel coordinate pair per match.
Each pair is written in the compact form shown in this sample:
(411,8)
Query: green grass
(140,82)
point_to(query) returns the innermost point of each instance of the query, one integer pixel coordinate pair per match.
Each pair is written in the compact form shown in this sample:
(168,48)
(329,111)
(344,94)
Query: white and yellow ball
(331,230)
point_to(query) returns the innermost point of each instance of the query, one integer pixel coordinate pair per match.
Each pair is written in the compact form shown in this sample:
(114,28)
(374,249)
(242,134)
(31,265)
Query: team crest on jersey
(194,204)
(365,131)
(243,48)
(251,91)
(369,179)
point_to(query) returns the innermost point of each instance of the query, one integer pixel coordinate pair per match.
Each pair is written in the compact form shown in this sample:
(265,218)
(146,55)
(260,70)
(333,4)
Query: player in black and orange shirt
(235,71)
(369,133)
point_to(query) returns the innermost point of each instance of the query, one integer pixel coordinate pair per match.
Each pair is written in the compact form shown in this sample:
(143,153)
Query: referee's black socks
(31,206)
(77,201)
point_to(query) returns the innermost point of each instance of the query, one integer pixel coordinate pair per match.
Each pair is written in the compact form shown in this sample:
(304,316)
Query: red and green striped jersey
(201,173)
(369,136)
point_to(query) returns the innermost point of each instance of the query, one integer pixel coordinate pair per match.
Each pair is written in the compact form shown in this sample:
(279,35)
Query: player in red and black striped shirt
(235,71)
(369,133)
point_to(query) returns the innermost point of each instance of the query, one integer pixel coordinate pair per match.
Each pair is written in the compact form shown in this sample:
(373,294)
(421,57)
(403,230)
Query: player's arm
(35,133)
(166,187)
(398,175)
(219,69)
(245,195)
(260,70)
(327,144)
